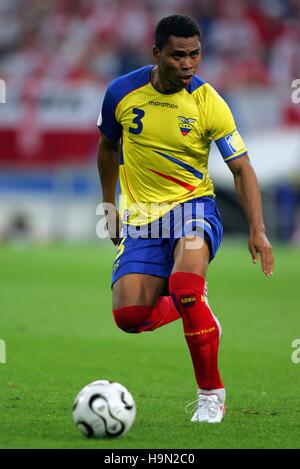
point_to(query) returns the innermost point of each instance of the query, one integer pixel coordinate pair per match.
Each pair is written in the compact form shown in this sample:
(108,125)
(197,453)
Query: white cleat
(210,406)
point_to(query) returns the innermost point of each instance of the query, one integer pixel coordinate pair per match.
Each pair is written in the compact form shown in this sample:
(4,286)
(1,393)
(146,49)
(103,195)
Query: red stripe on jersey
(187,186)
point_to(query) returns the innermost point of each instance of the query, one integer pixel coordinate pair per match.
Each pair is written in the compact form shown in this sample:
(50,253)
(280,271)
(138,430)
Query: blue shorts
(142,254)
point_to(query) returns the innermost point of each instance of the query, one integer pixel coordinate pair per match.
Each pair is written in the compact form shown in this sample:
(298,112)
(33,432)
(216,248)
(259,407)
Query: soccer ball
(104,409)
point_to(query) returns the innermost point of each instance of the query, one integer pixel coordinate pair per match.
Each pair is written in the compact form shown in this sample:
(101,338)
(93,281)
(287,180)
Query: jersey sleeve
(221,128)
(107,121)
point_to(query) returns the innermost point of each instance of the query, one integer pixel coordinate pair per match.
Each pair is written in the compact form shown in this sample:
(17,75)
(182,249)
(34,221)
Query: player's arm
(108,167)
(248,192)
(222,128)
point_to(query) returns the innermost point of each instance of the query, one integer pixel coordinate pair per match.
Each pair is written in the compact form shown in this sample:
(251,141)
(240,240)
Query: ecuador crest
(185,124)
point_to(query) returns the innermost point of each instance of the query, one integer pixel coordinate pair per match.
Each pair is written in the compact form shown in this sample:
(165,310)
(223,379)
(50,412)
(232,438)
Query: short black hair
(175,25)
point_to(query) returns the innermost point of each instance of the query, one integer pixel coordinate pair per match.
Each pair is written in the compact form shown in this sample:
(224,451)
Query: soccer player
(157,124)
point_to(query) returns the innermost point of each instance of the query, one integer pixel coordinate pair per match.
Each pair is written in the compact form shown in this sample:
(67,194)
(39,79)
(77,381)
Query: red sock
(200,328)
(164,312)
(146,318)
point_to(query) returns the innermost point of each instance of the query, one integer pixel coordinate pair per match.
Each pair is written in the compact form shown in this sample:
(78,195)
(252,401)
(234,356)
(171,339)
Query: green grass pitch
(59,332)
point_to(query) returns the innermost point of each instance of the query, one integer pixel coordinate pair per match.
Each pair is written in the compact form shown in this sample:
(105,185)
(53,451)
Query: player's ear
(156,54)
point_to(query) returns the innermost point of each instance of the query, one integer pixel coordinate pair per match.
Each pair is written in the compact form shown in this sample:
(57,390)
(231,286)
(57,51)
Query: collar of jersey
(160,92)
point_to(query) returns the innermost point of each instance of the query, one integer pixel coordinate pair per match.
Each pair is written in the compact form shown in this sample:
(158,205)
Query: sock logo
(203,331)
(188,300)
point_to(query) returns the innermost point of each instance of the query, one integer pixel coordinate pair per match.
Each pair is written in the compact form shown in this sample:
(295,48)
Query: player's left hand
(260,245)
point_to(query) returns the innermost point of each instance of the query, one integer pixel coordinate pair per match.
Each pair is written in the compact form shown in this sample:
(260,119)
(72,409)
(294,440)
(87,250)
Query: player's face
(178,61)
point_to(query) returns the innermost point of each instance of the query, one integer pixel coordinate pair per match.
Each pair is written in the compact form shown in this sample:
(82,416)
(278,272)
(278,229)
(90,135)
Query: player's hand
(259,245)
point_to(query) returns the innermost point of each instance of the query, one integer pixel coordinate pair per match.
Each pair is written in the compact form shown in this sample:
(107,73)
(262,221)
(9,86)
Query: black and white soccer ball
(104,409)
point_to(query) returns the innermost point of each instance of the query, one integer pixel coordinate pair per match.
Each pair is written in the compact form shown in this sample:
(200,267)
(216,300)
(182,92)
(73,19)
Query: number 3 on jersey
(137,120)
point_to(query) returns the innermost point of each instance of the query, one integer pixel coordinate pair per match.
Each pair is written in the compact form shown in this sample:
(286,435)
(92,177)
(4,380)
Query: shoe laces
(191,407)
(204,401)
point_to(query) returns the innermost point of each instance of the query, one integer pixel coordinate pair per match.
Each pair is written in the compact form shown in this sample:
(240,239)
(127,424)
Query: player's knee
(124,322)
(133,319)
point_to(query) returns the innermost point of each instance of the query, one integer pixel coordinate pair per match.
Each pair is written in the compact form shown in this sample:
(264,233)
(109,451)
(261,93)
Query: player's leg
(202,330)
(187,286)
(140,285)
(139,304)
(135,288)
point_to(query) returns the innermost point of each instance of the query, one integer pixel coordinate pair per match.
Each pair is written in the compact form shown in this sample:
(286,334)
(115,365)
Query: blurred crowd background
(57,57)
(245,42)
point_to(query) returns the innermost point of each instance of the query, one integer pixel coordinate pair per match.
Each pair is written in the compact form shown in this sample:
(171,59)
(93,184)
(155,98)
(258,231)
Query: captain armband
(231,146)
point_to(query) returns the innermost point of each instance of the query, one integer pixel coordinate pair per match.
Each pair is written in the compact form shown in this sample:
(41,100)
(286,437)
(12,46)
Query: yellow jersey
(165,142)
